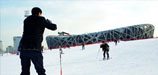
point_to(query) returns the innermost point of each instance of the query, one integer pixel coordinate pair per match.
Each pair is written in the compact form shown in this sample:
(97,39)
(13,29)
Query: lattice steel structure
(134,32)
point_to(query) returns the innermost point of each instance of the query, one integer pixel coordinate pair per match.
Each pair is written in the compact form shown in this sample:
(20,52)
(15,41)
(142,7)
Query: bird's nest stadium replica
(135,32)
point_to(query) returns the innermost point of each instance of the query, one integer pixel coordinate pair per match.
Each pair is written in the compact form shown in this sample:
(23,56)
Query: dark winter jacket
(32,37)
(105,47)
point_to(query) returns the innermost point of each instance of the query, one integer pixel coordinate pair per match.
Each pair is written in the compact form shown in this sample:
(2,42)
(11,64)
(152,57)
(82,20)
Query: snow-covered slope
(128,58)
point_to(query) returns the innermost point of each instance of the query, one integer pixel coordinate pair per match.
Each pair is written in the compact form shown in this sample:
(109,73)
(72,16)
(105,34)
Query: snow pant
(37,59)
(105,52)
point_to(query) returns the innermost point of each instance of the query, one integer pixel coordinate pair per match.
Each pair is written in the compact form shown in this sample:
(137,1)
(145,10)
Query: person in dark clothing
(105,48)
(30,45)
(83,46)
(115,42)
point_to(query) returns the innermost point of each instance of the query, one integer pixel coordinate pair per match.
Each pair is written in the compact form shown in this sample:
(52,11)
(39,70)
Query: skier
(83,46)
(105,48)
(30,45)
(115,42)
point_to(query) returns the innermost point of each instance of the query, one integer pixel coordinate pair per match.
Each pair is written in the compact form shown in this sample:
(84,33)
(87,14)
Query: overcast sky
(77,17)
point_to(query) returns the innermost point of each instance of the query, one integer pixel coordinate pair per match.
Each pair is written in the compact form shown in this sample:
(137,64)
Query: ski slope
(128,58)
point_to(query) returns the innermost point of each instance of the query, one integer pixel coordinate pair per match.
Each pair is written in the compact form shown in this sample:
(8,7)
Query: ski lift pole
(60,52)
(98,52)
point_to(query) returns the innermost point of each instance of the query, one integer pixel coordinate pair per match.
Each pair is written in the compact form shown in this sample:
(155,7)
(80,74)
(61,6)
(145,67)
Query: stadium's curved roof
(142,31)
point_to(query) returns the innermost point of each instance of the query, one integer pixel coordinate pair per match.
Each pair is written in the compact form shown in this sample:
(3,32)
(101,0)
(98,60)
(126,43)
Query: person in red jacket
(105,48)
(30,45)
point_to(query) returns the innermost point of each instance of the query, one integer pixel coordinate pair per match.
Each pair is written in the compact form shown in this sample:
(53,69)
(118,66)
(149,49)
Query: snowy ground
(128,58)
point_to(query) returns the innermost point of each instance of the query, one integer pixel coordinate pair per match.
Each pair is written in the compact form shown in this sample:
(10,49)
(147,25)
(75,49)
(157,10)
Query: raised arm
(48,24)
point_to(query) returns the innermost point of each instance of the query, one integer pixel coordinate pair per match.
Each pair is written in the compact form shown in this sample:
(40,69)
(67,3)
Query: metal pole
(98,53)
(60,52)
